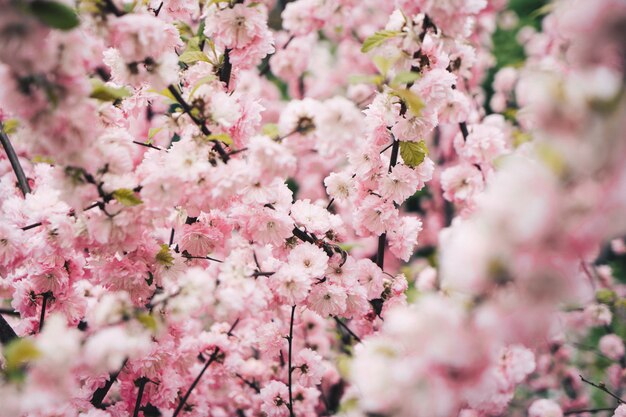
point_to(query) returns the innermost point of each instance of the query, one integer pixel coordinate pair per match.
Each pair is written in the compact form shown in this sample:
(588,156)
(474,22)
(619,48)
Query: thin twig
(589,410)
(46,295)
(347,329)
(464,131)
(290,340)
(602,387)
(195,382)
(147,145)
(99,394)
(141,383)
(15,162)
(205,130)
(382,239)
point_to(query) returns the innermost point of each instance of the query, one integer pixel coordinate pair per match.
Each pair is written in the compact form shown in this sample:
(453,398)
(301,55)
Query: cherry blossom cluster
(310,208)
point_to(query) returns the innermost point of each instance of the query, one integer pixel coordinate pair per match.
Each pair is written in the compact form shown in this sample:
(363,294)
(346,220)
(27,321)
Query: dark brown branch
(602,387)
(226,69)
(99,394)
(183,401)
(589,410)
(464,131)
(147,145)
(7,334)
(290,340)
(382,239)
(217,146)
(15,162)
(141,383)
(347,329)
(42,317)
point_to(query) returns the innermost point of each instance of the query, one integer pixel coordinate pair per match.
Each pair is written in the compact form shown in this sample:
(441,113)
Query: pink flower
(375,215)
(612,346)
(461,183)
(292,283)
(309,259)
(270,226)
(327,299)
(620,411)
(243,29)
(340,186)
(275,399)
(371,278)
(309,368)
(400,184)
(403,237)
(545,408)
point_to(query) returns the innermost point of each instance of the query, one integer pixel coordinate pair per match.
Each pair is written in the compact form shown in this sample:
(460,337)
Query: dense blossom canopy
(310,208)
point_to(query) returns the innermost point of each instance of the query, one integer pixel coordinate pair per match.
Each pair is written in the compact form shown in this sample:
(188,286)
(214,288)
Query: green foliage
(103,92)
(126,197)
(53,14)
(378,39)
(413,153)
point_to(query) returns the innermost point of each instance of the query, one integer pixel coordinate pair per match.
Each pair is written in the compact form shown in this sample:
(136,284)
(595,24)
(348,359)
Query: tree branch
(15,162)
(290,340)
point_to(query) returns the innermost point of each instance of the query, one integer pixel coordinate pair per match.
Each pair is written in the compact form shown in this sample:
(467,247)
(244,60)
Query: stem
(205,130)
(195,382)
(602,387)
(9,312)
(212,359)
(15,162)
(141,383)
(31,226)
(464,132)
(7,333)
(290,340)
(382,239)
(590,410)
(227,68)
(147,145)
(46,295)
(347,329)
(98,396)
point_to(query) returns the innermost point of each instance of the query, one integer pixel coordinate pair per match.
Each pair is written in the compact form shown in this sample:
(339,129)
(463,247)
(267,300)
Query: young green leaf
(412,100)
(55,15)
(18,352)
(221,137)
(103,92)
(405,77)
(378,39)
(413,153)
(126,197)
(190,57)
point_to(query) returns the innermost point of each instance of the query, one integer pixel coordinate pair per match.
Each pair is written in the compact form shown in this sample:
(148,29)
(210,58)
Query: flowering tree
(213,208)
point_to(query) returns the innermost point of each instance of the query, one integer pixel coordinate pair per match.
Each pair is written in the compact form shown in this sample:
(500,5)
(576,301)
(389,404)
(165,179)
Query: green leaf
(126,197)
(190,57)
(10,126)
(54,14)
(164,256)
(148,321)
(271,130)
(413,153)
(412,100)
(165,93)
(221,137)
(366,79)
(103,92)
(378,39)
(153,131)
(405,77)
(18,352)
(384,63)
